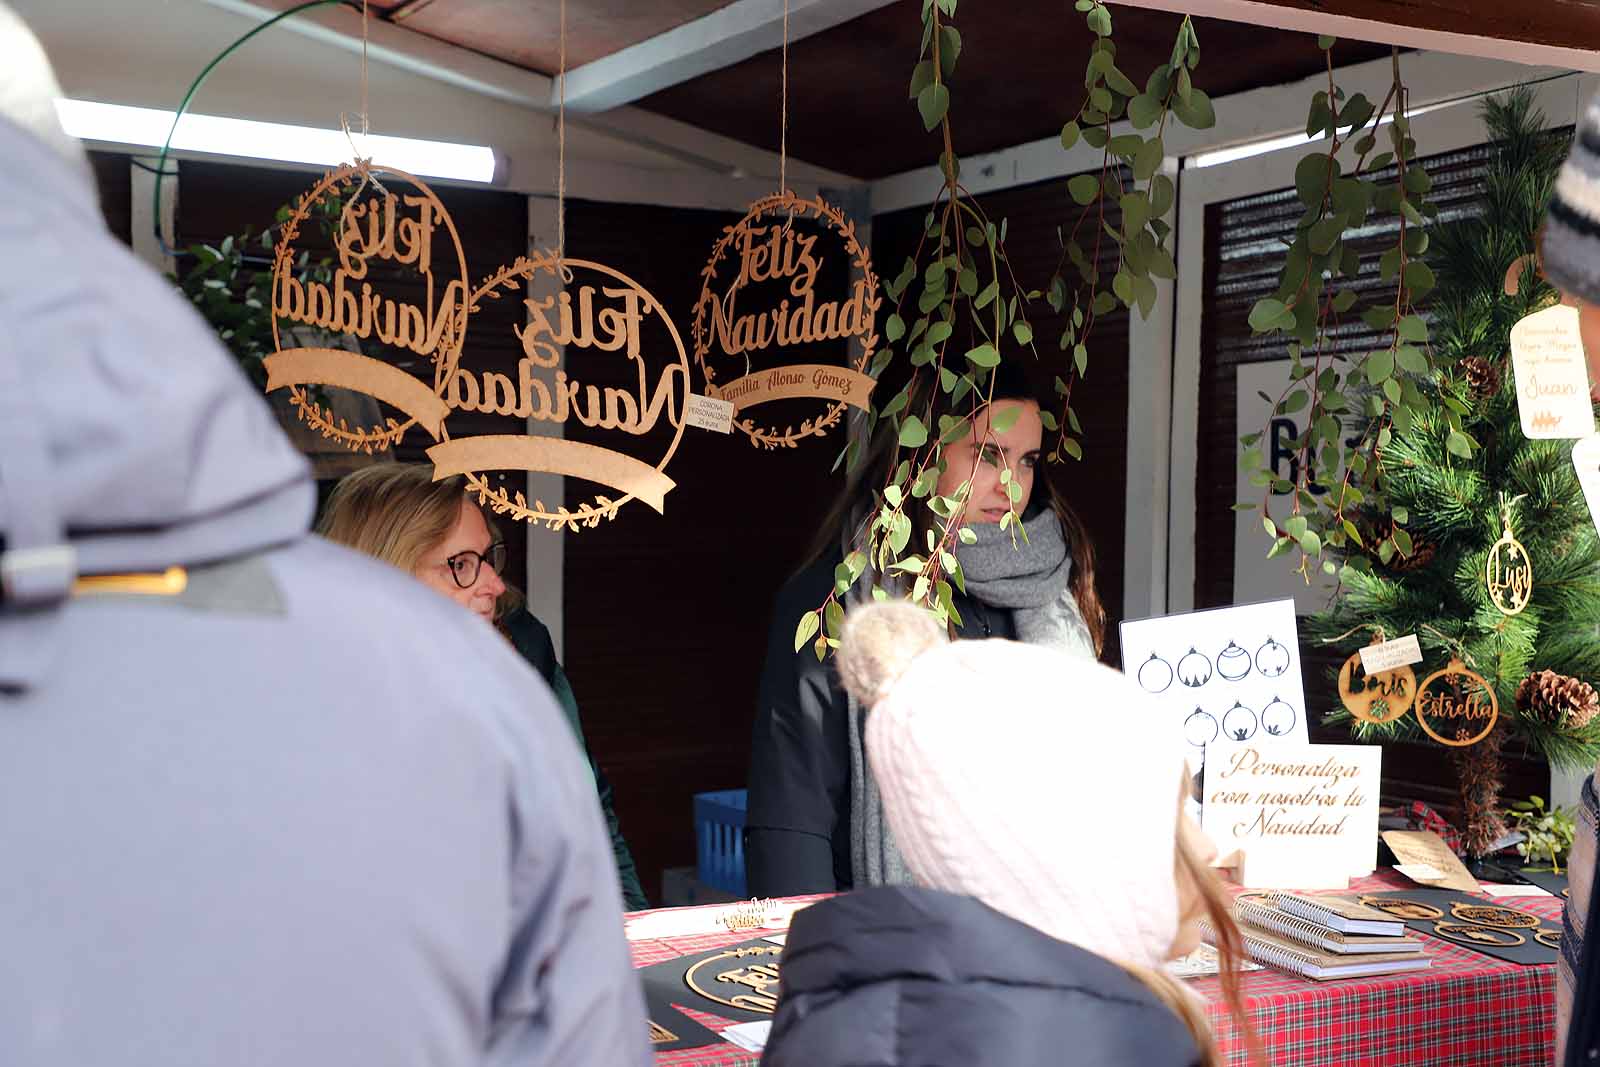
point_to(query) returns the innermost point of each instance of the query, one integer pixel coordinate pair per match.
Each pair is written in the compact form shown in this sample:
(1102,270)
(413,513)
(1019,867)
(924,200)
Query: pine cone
(1563,702)
(1482,376)
(1422,553)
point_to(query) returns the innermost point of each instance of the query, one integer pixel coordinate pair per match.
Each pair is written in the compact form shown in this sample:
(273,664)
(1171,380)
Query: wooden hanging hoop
(381,436)
(1392,691)
(1450,707)
(1508,572)
(790,206)
(602,507)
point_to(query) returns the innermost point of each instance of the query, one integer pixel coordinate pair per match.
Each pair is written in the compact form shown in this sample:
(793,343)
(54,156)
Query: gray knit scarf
(1031,580)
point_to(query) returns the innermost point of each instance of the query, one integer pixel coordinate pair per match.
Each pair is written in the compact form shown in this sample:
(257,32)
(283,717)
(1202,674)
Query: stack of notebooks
(1323,937)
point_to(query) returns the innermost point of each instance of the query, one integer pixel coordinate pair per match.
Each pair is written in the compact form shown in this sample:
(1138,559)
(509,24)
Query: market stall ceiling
(1019,78)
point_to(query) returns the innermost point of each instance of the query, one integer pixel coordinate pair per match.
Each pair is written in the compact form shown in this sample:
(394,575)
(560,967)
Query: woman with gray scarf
(815,822)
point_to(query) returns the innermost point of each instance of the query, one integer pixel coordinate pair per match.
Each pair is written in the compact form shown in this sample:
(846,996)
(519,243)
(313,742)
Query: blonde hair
(1169,988)
(395,512)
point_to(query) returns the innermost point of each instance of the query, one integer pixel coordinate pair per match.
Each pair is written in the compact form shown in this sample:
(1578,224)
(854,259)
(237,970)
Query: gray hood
(129,439)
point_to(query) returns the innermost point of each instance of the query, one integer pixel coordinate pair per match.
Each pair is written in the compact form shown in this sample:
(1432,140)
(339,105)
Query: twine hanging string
(561,152)
(783,111)
(344,122)
(1377,634)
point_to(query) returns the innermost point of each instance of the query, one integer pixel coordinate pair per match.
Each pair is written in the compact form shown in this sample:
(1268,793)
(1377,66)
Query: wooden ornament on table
(1377,698)
(1494,915)
(772,253)
(1548,938)
(1410,910)
(1478,703)
(713,977)
(1470,934)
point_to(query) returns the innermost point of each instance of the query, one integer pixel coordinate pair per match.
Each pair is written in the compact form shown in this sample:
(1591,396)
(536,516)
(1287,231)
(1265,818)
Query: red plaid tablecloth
(1467,1009)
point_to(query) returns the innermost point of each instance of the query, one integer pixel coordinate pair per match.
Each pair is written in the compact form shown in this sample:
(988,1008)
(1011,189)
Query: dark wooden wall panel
(666,615)
(115,183)
(1097,485)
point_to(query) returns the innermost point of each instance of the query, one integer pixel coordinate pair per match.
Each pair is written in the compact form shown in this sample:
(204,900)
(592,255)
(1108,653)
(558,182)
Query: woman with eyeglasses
(435,532)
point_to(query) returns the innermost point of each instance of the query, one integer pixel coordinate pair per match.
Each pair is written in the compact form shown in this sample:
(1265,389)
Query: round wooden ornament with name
(1377,698)
(1469,701)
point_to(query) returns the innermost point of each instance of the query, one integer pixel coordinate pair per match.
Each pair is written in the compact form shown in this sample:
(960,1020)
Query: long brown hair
(853,507)
(1169,988)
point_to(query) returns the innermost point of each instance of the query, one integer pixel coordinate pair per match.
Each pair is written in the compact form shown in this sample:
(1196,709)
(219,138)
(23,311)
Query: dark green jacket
(531,639)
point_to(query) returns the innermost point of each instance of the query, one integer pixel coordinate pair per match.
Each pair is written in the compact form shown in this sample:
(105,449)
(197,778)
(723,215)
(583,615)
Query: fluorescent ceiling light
(121,124)
(1290,140)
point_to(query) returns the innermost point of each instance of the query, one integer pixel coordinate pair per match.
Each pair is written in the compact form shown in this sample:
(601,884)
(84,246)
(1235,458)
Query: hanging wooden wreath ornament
(1376,698)
(593,324)
(788,311)
(1509,574)
(1456,706)
(395,232)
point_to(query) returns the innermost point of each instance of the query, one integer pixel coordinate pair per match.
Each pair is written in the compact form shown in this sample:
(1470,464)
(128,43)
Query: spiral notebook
(1268,916)
(1342,914)
(1266,947)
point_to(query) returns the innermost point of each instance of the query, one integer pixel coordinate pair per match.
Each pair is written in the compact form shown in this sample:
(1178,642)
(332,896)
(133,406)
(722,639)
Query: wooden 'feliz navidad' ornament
(768,311)
(1459,701)
(1376,698)
(1509,574)
(588,313)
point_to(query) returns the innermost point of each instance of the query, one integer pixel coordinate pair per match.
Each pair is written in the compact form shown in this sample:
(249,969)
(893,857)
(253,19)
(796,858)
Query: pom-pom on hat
(1045,785)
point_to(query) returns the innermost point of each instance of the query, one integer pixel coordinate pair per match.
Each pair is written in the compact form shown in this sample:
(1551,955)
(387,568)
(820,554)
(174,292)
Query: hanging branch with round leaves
(957,304)
(1130,175)
(1352,406)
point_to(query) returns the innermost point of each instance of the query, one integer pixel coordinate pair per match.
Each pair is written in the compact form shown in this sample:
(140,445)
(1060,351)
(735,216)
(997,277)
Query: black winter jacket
(798,820)
(906,977)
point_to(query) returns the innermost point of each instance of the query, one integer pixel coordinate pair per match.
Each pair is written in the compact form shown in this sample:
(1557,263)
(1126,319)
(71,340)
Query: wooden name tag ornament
(1376,698)
(1456,706)
(1509,574)
(600,315)
(769,308)
(376,228)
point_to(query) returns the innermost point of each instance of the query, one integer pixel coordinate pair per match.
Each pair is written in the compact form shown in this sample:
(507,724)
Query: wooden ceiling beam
(742,29)
(1563,33)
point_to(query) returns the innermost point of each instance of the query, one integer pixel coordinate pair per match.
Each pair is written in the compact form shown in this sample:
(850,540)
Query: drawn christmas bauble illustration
(1200,728)
(1233,662)
(1194,670)
(1239,724)
(1272,659)
(1155,674)
(1278,717)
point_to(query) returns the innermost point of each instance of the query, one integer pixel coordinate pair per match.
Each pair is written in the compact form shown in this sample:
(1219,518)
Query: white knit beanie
(1043,784)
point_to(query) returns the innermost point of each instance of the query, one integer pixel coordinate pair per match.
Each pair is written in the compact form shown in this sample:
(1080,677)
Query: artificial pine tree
(1543,662)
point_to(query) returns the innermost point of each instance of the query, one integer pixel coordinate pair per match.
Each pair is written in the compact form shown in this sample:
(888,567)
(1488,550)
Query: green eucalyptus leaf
(1084,188)
(933,103)
(913,434)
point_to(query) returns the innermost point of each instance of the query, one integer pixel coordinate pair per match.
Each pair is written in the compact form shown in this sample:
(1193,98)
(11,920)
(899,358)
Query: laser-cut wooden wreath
(771,252)
(375,226)
(1461,698)
(607,315)
(603,313)
(1377,698)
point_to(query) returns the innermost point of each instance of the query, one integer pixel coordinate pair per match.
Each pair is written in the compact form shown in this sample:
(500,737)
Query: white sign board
(1301,816)
(1254,576)
(1228,673)
(1552,376)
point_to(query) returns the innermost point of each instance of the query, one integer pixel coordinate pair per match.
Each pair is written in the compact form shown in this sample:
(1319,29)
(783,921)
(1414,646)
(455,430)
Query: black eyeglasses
(464,566)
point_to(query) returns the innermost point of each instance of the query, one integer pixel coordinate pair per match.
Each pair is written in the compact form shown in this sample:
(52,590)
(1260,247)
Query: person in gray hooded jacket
(244,819)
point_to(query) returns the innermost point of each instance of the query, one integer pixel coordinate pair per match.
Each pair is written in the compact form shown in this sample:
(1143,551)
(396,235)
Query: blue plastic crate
(719,839)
